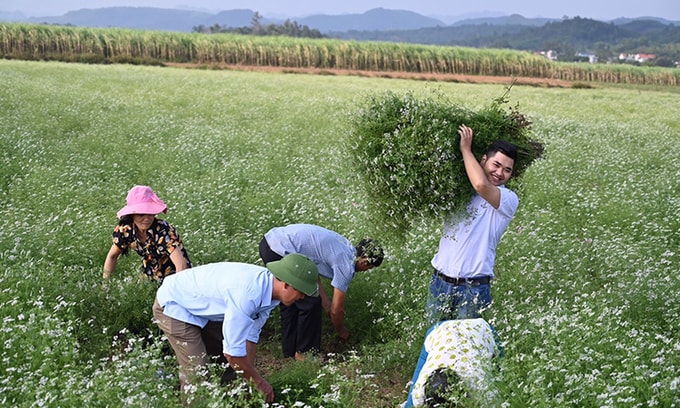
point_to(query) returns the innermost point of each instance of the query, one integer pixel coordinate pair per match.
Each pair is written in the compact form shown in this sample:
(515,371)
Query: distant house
(644,57)
(591,58)
(550,54)
(639,58)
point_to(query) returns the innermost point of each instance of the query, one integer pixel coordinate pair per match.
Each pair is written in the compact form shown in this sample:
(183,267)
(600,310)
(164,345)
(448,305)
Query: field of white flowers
(587,299)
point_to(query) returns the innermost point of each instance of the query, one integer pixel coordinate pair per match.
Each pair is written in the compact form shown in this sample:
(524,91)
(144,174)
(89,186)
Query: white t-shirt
(467,248)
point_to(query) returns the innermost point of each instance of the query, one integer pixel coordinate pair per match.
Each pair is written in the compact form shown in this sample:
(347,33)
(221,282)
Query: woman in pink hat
(156,241)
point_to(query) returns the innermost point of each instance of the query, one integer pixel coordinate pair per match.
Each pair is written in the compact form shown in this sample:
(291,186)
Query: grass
(586,297)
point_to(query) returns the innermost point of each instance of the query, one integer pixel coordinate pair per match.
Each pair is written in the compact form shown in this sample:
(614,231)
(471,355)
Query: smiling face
(143,221)
(498,168)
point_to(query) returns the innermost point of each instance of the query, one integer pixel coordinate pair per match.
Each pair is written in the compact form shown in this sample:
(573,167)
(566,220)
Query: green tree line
(288,28)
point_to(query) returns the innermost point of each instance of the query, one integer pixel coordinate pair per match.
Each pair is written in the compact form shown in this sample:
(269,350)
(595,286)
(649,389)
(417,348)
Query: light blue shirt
(333,254)
(238,294)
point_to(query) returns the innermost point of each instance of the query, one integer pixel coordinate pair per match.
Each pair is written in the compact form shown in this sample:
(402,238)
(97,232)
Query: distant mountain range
(378,19)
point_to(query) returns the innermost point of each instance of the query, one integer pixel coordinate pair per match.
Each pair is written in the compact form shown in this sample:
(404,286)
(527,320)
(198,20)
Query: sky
(596,9)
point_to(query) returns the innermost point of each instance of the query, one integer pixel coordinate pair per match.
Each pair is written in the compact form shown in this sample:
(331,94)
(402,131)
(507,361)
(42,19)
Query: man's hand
(465,134)
(246,365)
(266,389)
(344,334)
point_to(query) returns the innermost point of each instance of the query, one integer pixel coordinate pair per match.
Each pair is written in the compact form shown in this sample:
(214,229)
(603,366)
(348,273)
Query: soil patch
(460,78)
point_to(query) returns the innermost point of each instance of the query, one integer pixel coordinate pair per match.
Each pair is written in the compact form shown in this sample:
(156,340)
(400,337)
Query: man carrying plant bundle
(463,265)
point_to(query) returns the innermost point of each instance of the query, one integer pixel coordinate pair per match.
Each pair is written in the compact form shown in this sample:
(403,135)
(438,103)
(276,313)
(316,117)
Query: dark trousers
(212,337)
(301,326)
(266,252)
(301,321)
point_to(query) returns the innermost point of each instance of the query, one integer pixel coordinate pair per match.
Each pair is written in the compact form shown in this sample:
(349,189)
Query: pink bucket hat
(142,200)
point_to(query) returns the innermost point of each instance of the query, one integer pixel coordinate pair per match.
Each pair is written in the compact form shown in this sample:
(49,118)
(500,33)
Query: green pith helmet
(298,271)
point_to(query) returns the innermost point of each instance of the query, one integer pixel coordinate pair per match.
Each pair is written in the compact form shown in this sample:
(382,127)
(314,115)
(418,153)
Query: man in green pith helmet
(239,298)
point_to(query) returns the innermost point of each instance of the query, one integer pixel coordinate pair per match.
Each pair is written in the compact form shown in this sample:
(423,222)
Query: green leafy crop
(406,150)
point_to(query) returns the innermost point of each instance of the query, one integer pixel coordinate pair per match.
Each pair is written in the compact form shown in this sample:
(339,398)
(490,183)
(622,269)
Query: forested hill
(568,37)
(581,32)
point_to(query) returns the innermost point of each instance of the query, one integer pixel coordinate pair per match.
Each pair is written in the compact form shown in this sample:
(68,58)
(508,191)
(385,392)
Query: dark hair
(444,388)
(369,249)
(126,220)
(504,147)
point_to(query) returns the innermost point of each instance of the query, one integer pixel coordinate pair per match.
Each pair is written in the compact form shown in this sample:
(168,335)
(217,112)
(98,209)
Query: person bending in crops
(220,308)
(155,240)
(337,260)
(464,263)
(455,367)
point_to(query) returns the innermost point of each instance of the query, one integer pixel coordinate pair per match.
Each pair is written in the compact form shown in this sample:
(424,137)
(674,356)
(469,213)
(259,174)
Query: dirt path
(472,79)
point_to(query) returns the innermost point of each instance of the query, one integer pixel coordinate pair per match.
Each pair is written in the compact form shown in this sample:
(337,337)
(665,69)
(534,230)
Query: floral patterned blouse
(162,240)
(466,346)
